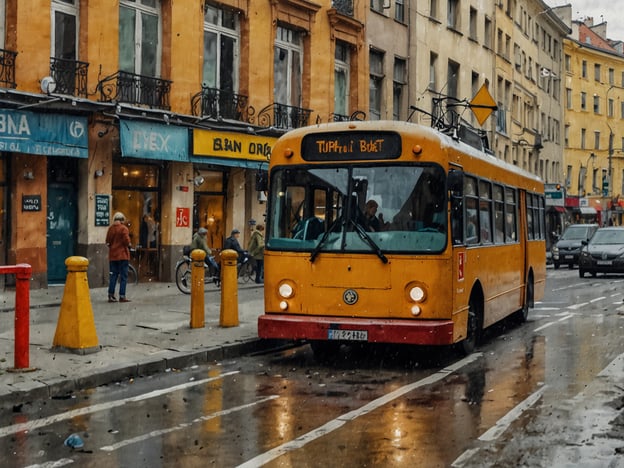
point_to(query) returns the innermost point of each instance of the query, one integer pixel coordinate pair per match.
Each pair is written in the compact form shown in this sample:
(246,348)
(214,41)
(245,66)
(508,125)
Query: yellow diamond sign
(483,104)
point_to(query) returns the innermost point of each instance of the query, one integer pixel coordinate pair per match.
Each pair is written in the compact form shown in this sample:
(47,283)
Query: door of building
(61,228)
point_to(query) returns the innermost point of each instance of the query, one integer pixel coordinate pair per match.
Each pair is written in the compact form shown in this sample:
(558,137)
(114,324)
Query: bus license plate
(349,335)
(604,262)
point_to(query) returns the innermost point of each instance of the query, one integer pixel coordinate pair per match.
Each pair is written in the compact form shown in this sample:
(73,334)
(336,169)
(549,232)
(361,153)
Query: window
(596,140)
(452,79)
(376,83)
(596,105)
(341,79)
(399,10)
(139,37)
(583,100)
(288,67)
(611,76)
(610,108)
(597,72)
(2,22)
(622,111)
(433,59)
(583,132)
(568,98)
(65,29)
(377,5)
(568,181)
(487,33)
(473,24)
(398,87)
(568,61)
(221,42)
(584,69)
(433,10)
(452,14)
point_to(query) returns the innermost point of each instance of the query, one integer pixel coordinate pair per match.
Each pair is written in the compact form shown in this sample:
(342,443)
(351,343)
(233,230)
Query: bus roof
(413,130)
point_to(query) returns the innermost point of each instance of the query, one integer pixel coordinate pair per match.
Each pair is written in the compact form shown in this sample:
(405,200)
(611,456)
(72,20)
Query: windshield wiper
(321,242)
(368,239)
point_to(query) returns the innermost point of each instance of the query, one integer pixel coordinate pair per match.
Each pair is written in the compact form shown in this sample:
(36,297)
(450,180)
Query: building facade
(163,110)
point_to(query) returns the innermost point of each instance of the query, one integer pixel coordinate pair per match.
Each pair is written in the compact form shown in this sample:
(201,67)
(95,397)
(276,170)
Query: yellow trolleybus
(395,232)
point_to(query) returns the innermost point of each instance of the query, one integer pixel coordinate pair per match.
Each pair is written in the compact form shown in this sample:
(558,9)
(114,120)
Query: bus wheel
(325,351)
(473,332)
(523,314)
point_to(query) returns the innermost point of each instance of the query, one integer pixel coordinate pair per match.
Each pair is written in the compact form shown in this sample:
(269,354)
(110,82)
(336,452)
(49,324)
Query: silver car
(604,253)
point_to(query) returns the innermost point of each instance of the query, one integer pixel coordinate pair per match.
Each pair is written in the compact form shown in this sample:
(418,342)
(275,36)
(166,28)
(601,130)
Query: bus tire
(523,314)
(473,330)
(325,351)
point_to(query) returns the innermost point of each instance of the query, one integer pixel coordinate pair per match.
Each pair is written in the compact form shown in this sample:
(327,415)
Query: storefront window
(208,207)
(136,194)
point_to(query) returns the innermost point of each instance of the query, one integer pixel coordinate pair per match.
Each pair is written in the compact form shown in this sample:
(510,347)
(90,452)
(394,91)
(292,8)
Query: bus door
(457,223)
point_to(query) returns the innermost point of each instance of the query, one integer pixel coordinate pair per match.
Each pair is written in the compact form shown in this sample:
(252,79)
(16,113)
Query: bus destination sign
(344,146)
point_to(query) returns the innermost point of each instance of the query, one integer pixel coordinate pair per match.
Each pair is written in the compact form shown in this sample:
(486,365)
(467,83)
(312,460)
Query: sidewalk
(150,334)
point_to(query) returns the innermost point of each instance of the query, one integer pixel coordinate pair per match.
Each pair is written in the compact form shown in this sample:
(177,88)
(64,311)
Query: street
(504,405)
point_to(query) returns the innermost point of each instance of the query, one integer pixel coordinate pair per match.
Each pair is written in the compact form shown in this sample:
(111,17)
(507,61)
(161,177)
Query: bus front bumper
(399,331)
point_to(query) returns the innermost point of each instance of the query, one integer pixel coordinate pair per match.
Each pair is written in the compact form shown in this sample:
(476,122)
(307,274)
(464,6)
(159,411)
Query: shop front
(40,165)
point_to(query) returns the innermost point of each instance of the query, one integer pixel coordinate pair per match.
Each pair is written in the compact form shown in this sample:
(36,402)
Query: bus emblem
(350,296)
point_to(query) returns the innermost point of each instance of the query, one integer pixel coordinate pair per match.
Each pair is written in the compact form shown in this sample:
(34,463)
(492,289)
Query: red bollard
(23,272)
(22,316)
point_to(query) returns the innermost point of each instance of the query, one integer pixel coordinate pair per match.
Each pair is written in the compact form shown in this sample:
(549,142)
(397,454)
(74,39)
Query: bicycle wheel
(133,277)
(183,277)
(246,272)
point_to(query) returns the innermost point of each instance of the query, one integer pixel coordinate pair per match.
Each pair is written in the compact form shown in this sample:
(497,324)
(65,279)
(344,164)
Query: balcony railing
(283,117)
(344,7)
(135,89)
(70,76)
(357,115)
(216,103)
(7,68)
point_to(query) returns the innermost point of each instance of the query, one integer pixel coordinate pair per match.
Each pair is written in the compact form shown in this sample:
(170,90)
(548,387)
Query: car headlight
(555,249)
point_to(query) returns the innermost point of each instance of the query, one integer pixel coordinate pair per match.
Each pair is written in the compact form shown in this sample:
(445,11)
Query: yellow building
(164,110)
(594,124)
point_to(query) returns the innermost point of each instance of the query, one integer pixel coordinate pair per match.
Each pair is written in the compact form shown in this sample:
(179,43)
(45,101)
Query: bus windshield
(374,209)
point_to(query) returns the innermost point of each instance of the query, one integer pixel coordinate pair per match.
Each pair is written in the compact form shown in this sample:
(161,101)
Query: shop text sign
(153,141)
(183,217)
(31,202)
(102,210)
(43,134)
(232,145)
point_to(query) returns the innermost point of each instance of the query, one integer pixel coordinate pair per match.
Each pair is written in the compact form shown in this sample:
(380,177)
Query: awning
(560,209)
(231,162)
(587,210)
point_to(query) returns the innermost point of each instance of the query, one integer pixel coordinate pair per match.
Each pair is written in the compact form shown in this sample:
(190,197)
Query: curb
(64,387)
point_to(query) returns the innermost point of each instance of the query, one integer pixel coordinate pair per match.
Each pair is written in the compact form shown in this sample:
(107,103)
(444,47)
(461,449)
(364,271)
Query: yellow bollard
(229,289)
(75,330)
(197,288)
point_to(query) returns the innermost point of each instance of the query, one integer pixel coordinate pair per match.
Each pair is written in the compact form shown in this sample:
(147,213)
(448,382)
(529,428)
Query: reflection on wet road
(373,406)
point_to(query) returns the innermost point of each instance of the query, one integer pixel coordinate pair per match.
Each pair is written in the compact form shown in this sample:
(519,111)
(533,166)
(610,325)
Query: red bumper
(303,327)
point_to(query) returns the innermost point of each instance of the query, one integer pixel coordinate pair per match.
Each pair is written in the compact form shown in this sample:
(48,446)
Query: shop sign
(232,145)
(102,210)
(43,134)
(183,217)
(153,141)
(31,202)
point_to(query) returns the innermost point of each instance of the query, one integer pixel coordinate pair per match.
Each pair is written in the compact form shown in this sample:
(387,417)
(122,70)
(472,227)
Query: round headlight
(415,310)
(417,294)
(285,290)
(283,305)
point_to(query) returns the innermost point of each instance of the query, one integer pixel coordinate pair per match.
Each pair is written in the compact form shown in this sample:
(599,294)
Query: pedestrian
(232,243)
(200,242)
(118,241)
(256,250)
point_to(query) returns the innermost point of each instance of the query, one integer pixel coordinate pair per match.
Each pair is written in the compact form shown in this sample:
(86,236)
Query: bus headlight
(283,305)
(285,290)
(417,293)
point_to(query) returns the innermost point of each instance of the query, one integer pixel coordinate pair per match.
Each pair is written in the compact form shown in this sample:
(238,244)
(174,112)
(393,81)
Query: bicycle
(212,271)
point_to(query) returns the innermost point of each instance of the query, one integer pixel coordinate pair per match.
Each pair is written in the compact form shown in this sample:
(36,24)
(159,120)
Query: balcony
(7,68)
(135,89)
(357,115)
(344,7)
(284,117)
(218,104)
(70,76)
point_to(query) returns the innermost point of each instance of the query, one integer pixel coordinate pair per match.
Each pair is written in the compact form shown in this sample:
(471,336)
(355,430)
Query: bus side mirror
(455,183)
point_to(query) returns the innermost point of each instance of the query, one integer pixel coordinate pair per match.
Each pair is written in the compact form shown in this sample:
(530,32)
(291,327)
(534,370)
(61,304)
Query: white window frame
(221,30)
(343,66)
(293,43)
(142,8)
(69,7)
